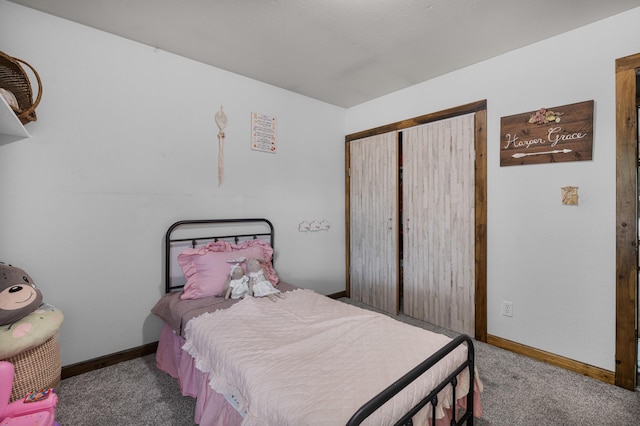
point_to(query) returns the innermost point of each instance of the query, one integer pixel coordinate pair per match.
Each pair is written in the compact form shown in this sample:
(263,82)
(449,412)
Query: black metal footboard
(432,398)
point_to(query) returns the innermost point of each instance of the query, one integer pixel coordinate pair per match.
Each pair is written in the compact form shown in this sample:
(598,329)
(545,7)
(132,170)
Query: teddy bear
(237,284)
(259,285)
(18,294)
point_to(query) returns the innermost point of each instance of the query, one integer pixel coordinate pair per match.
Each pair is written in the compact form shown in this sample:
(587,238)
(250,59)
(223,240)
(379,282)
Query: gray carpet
(517,391)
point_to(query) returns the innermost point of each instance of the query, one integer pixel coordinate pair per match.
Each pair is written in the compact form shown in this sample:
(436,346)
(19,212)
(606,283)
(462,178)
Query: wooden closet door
(438,161)
(373,221)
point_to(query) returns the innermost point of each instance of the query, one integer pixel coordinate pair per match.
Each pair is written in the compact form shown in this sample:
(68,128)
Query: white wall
(555,263)
(125,144)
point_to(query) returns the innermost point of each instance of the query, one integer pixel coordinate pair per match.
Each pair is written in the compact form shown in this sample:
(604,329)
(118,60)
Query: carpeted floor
(127,394)
(517,391)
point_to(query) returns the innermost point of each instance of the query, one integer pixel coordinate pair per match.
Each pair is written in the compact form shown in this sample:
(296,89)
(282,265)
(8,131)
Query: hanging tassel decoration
(221,121)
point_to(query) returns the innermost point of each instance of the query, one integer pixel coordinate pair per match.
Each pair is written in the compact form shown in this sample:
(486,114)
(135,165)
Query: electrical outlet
(507,308)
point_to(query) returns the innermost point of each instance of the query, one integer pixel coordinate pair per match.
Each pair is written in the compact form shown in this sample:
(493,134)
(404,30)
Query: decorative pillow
(206,268)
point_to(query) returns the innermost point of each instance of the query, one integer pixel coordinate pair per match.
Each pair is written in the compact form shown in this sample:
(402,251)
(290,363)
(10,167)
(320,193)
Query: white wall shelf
(11,129)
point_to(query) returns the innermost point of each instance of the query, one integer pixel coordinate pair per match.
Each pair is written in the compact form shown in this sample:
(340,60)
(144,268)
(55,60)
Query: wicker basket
(14,79)
(37,368)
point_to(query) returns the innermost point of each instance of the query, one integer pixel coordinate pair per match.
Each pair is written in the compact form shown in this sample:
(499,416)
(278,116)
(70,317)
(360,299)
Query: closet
(416,215)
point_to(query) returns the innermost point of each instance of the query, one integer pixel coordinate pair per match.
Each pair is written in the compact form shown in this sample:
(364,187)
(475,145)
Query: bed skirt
(212,408)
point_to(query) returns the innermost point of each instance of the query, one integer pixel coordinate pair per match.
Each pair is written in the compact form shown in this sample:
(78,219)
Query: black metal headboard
(202,231)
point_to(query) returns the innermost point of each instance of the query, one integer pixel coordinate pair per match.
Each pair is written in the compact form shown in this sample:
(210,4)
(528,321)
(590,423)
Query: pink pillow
(206,268)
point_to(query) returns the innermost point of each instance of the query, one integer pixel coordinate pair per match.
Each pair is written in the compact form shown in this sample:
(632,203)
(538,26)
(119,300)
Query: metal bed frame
(169,240)
(467,416)
(377,401)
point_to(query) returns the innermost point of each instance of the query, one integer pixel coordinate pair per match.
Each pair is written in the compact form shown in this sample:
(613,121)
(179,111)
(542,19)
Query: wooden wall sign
(548,135)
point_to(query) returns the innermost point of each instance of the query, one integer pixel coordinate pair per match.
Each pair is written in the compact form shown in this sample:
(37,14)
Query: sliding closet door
(439,223)
(373,221)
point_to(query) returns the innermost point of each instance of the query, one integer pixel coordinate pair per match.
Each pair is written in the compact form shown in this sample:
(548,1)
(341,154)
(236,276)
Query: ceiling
(344,52)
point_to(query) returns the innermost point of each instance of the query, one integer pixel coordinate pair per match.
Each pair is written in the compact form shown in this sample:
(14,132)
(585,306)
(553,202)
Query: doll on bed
(237,285)
(259,285)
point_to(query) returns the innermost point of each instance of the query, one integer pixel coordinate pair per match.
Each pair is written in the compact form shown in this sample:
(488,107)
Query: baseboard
(107,360)
(338,295)
(557,360)
(540,355)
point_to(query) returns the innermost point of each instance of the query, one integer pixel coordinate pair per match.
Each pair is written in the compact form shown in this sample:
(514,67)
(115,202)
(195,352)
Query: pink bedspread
(306,359)
(177,312)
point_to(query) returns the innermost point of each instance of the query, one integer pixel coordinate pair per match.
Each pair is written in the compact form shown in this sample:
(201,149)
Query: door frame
(626,220)
(480,110)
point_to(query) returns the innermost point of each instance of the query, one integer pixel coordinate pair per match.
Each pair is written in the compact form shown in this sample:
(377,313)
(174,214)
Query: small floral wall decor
(548,135)
(544,116)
